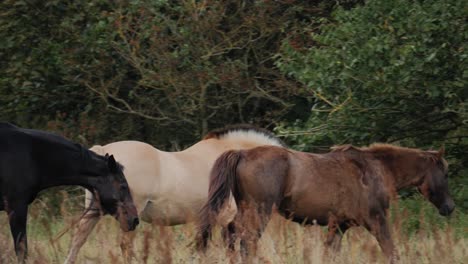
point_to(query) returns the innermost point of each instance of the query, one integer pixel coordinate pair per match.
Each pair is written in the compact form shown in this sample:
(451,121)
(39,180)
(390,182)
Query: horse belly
(311,208)
(167,213)
(181,191)
(313,215)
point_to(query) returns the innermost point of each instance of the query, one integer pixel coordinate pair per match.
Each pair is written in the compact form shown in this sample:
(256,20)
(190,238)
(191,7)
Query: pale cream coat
(169,188)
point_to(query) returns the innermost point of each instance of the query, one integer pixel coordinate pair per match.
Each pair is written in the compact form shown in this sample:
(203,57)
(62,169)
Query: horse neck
(84,171)
(403,168)
(93,165)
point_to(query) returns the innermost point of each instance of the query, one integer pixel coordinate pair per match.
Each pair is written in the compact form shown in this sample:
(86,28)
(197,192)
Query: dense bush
(387,71)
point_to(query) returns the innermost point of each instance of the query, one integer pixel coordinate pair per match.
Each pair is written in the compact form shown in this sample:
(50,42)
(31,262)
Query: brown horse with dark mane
(346,187)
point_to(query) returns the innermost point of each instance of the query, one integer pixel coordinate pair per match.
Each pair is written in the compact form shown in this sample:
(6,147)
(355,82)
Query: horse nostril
(450,210)
(136,221)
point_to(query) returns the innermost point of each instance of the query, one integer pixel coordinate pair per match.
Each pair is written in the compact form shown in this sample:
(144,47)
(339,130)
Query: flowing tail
(223,182)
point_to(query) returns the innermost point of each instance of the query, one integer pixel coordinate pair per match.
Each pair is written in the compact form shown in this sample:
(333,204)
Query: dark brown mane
(343,148)
(383,149)
(220,132)
(378,148)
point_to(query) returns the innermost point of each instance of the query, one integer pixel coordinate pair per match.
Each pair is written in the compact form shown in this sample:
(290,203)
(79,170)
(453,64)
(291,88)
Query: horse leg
(229,236)
(254,223)
(17,214)
(85,226)
(378,226)
(2,205)
(335,235)
(126,245)
(127,238)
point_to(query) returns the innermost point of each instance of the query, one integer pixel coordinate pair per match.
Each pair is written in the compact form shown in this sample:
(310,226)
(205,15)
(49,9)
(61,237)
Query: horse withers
(33,160)
(347,187)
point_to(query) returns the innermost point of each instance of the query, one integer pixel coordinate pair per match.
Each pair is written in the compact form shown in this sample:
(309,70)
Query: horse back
(35,157)
(6,125)
(18,174)
(13,143)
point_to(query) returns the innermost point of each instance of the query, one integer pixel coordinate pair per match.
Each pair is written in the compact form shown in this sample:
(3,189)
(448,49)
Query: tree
(158,71)
(200,65)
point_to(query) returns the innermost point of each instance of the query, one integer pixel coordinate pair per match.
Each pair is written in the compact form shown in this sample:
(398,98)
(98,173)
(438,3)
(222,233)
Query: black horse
(33,160)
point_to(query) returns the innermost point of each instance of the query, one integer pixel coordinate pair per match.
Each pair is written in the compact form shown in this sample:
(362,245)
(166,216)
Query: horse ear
(438,153)
(111,163)
(441,151)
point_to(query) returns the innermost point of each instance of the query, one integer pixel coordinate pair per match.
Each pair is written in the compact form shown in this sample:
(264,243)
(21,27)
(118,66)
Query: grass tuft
(283,241)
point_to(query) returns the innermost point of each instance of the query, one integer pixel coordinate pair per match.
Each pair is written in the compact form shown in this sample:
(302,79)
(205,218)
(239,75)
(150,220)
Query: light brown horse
(346,187)
(169,188)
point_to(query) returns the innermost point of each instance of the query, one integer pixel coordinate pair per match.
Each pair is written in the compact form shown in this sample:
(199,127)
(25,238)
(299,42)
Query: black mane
(7,125)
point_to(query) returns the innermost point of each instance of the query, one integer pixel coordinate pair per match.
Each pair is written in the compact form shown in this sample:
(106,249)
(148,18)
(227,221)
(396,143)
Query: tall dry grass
(283,242)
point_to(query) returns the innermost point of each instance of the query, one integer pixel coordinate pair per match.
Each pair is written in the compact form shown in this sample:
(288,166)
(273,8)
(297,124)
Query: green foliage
(387,71)
(418,215)
(32,43)
(188,67)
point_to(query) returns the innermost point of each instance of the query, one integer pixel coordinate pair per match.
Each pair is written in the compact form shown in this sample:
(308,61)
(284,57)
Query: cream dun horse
(169,188)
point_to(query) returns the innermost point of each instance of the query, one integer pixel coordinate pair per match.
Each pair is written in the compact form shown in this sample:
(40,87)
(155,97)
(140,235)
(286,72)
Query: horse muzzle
(447,209)
(128,218)
(132,223)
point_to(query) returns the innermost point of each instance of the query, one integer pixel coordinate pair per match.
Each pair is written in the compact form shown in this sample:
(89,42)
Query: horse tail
(223,184)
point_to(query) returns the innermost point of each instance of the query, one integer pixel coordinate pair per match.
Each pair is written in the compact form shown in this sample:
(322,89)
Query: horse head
(114,196)
(434,183)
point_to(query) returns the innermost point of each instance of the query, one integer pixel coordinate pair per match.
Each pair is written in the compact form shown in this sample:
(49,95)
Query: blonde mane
(246,132)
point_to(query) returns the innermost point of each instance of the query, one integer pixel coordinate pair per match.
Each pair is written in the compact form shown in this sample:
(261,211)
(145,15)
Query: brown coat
(346,187)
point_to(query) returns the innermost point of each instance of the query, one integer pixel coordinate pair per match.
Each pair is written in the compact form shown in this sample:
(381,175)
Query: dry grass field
(283,242)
